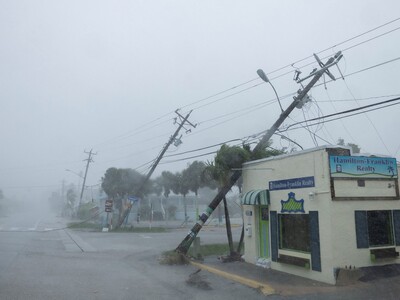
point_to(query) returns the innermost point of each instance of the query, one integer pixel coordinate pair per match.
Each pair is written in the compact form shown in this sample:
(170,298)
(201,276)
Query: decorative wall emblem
(291,205)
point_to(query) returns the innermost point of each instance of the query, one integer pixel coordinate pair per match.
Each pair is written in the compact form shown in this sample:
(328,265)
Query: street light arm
(265,78)
(277,97)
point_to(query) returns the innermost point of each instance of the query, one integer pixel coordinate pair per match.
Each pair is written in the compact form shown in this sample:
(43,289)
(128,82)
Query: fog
(108,76)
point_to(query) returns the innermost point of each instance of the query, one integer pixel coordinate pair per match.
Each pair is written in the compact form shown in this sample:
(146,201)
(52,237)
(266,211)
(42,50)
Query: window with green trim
(294,232)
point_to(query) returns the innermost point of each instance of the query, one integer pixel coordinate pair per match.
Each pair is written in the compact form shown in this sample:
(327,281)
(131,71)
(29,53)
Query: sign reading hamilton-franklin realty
(363,166)
(292,183)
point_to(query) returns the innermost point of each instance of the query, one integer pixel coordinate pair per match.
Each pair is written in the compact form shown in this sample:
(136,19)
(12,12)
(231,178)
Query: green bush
(145,212)
(86,211)
(171,212)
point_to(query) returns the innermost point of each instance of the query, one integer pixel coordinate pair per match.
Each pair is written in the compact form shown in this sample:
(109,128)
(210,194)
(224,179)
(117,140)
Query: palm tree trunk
(185,208)
(239,248)
(228,228)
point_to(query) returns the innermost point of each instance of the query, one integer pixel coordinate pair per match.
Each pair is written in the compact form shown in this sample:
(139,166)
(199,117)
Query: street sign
(133,199)
(109,205)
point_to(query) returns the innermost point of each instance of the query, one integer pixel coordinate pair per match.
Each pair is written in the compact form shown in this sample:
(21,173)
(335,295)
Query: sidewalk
(273,282)
(269,282)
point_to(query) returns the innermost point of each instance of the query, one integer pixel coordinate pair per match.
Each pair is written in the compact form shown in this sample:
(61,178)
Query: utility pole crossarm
(187,241)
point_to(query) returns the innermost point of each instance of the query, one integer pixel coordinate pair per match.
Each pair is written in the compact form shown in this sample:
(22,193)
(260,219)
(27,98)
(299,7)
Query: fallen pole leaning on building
(187,241)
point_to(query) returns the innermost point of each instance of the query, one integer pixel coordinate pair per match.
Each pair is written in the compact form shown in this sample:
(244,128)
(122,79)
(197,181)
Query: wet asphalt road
(66,264)
(38,261)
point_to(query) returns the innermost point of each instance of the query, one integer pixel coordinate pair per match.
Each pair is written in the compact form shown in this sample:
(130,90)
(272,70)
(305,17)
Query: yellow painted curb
(264,288)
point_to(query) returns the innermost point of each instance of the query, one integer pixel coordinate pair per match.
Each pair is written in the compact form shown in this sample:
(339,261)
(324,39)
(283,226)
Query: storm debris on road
(197,280)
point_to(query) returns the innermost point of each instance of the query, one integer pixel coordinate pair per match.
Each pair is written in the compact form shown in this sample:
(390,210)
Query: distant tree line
(119,184)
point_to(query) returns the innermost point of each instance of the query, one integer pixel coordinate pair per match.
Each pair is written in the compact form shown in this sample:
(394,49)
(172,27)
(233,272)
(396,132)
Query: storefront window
(380,231)
(295,232)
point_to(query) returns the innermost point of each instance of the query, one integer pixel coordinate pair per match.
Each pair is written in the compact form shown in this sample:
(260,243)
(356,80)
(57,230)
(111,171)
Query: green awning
(255,197)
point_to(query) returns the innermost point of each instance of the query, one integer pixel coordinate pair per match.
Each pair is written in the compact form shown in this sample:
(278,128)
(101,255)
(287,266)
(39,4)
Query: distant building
(313,212)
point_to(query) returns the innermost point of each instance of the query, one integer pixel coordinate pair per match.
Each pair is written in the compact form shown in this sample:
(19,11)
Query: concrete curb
(264,288)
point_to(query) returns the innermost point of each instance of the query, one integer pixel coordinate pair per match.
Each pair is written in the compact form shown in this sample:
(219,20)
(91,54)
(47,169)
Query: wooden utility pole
(187,241)
(89,160)
(172,139)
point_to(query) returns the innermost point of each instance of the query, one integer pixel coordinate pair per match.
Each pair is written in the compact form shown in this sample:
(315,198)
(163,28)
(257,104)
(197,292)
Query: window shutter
(274,235)
(396,223)
(314,242)
(361,229)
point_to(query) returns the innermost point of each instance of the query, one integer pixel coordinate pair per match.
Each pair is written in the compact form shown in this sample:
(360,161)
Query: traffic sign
(109,205)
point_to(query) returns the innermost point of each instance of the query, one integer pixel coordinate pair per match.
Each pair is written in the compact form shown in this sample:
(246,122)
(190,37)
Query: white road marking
(145,236)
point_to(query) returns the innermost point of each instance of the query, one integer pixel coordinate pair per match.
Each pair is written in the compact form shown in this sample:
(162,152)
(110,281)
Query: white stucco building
(312,212)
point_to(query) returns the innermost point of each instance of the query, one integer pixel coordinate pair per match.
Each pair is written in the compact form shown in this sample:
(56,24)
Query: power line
(128,134)
(368,118)
(203,148)
(371,39)
(311,63)
(368,68)
(220,93)
(336,45)
(360,71)
(186,158)
(359,99)
(329,81)
(228,96)
(298,123)
(271,101)
(274,71)
(354,114)
(345,128)
(136,130)
(348,111)
(256,106)
(280,132)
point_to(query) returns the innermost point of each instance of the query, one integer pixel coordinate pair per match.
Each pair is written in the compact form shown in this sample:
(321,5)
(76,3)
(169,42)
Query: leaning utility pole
(172,139)
(187,241)
(89,160)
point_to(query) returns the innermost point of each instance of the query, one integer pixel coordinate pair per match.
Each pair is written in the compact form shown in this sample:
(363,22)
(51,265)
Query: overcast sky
(108,76)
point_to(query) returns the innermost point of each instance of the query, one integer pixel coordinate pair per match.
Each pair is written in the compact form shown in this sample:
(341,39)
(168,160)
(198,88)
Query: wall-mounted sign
(363,166)
(291,205)
(293,183)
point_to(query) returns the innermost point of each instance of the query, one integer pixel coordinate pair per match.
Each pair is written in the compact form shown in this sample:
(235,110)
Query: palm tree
(193,174)
(227,159)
